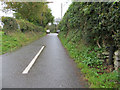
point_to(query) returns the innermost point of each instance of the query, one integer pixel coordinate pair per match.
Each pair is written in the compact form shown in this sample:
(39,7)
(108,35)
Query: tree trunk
(98,44)
(111,52)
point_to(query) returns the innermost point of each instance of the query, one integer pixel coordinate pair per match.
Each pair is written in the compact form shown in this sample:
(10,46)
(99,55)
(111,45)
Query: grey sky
(55,7)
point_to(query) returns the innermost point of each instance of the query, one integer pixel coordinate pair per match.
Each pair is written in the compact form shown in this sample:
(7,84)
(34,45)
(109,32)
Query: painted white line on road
(32,62)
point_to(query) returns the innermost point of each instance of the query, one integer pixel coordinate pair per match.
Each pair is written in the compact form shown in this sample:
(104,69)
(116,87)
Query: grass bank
(97,74)
(16,40)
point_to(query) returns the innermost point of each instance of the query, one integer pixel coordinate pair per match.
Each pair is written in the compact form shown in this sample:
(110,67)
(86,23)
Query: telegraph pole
(62,5)
(61,10)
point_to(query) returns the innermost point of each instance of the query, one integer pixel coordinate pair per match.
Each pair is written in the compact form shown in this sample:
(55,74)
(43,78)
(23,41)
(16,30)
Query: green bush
(12,24)
(22,25)
(28,26)
(97,21)
(84,25)
(86,58)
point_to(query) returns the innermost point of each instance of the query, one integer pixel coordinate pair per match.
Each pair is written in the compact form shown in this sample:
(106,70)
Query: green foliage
(97,21)
(27,26)
(87,60)
(117,38)
(52,27)
(106,80)
(83,27)
(88,55)
(9,24)
(35,12)
(15,40)
(12,24)
(13,36)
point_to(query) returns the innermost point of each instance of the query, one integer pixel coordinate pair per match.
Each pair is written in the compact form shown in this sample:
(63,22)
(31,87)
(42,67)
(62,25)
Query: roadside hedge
(27,26)
(99,22)
(86,28)
(12,24)
(9,24)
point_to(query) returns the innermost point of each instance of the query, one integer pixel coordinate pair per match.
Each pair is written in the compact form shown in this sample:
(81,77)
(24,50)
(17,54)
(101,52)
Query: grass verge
(95,72)
(16,40)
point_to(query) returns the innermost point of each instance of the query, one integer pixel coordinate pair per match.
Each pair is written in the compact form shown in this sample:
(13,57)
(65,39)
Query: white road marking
(32,62)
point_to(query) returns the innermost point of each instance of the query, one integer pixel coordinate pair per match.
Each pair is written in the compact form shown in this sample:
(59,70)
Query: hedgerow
(96,72)
(97,21)
(87,28)
(12,24)
(17,33)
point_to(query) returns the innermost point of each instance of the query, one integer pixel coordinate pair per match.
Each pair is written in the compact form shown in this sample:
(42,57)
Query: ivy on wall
(99,22)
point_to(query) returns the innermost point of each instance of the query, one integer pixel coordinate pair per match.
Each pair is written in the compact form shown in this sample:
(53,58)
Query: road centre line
(32,62)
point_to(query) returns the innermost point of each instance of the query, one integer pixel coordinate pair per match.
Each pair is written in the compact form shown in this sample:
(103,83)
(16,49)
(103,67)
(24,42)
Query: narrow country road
(53,68)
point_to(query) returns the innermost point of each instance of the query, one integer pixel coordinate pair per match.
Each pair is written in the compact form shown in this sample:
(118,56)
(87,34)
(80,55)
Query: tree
(35,12)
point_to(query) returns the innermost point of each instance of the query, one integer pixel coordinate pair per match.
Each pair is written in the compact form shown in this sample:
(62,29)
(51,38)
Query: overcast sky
(55,7)
(10,13)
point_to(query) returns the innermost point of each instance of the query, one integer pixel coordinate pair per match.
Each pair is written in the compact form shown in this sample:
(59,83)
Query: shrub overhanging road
(52,69)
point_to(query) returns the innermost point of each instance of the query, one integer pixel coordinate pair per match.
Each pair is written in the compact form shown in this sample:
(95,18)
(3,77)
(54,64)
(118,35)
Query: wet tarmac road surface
(53,68)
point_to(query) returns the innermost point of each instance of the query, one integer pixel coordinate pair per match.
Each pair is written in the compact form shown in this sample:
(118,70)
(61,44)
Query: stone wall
(117,60)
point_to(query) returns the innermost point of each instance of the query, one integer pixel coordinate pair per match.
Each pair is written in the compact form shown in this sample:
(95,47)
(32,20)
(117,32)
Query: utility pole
(62,5)
(61,10)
